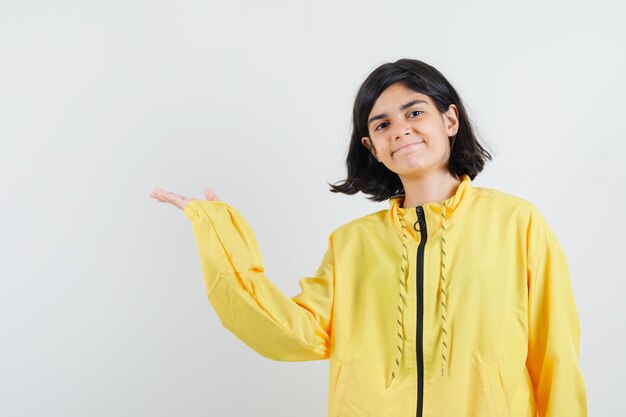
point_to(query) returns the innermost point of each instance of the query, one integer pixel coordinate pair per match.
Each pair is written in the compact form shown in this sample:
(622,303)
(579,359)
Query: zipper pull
(420,218)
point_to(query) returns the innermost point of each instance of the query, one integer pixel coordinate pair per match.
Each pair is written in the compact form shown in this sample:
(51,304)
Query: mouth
(407,146)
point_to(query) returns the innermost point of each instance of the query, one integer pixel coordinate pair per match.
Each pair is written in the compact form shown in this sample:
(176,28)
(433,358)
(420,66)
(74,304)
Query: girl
(455,301)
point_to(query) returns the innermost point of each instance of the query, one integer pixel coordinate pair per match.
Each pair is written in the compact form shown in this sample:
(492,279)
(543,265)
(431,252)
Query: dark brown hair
(365,173)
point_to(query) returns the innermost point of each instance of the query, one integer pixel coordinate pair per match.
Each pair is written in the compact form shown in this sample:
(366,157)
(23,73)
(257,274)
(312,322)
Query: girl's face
(408,134)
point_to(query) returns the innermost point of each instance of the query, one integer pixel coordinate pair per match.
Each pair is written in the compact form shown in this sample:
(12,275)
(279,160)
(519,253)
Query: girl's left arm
(554,328)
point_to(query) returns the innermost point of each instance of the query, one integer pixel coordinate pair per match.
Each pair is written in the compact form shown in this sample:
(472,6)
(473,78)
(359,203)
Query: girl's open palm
(180,201)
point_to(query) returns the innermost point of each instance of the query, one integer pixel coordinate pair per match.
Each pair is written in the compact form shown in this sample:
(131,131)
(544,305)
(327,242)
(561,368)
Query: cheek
(434,126)
(442,147)
(381,147)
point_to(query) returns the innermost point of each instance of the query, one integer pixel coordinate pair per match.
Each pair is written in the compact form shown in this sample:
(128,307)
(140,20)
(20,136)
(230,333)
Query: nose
(401,130)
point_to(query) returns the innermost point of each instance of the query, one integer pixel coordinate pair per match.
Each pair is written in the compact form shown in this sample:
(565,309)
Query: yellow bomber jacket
(462,308)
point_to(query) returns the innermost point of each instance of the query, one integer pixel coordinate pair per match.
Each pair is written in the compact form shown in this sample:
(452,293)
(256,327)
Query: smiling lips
(407,146)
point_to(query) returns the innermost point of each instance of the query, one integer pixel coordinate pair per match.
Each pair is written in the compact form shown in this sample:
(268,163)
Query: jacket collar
(433,211)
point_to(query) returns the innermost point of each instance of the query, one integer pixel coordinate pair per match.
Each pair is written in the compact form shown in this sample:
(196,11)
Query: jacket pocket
(494,393)
(343,380)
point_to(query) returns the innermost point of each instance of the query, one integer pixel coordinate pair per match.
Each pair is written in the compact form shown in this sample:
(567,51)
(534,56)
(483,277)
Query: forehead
(395,96)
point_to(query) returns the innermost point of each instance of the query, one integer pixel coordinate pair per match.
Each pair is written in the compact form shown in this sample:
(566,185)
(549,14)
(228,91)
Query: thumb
(209,194)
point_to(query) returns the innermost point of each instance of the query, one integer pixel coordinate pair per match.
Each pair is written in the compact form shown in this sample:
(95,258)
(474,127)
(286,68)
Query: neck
(431,188)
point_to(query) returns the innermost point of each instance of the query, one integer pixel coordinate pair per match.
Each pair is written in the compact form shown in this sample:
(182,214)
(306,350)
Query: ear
(367,142)
(451,119)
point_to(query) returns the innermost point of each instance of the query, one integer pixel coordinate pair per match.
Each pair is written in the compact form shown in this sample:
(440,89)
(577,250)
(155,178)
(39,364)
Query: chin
(412,168)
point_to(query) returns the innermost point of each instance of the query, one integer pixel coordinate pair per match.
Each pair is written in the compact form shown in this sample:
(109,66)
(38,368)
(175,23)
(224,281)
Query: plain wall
(103,310)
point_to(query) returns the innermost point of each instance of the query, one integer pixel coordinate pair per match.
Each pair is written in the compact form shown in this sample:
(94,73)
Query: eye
(380,126)
(377,127)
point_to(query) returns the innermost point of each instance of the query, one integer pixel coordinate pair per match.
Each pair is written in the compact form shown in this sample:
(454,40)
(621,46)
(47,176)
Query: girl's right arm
(246,301)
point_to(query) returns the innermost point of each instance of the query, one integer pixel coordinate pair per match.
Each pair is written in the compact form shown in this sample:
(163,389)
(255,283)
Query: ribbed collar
(454,205)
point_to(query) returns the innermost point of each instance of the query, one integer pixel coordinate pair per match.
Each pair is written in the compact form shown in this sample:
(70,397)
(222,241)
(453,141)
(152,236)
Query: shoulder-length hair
(365,173)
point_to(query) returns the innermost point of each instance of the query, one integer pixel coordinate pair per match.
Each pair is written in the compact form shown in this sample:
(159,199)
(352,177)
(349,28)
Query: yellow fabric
(506,321)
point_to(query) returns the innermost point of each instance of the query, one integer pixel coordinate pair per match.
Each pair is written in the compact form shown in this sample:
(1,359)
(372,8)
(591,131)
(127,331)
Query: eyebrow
(403,107)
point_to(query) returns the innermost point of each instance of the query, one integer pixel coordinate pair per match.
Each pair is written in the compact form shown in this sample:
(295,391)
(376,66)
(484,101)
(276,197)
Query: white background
(103,309)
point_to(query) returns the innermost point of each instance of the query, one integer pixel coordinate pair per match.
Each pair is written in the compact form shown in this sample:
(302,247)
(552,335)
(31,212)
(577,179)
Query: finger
(209,194)
(157,193)
(169,197)
(177,200)
(161,194)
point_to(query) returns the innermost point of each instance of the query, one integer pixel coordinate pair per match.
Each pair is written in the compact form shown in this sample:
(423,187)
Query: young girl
(455,301)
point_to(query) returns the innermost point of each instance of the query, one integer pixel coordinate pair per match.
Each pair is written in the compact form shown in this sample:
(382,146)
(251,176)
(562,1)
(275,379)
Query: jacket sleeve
(246,301)
(554,328)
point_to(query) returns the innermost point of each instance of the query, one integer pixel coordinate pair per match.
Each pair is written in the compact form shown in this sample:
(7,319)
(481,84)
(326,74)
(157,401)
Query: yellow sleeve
(246,301)
(554,330)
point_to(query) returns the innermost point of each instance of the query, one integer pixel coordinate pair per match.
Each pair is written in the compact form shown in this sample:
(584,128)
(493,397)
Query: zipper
(420,307)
